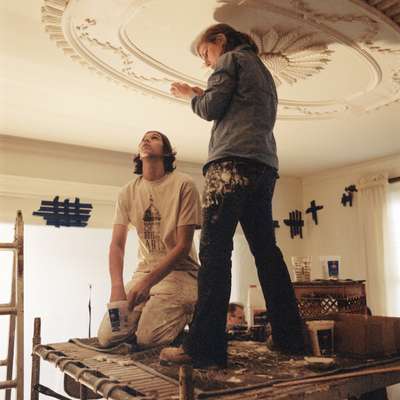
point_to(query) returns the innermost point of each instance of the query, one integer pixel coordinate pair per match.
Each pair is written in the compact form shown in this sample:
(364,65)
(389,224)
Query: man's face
(237,317)
(151,145)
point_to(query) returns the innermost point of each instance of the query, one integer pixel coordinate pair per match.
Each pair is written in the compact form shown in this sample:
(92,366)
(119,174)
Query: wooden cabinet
(320,297)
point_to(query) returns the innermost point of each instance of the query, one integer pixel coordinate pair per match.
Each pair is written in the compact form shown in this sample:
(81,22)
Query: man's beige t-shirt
(156,209)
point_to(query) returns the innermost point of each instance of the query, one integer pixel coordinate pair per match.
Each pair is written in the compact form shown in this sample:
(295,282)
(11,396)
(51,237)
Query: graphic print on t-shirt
(152,230)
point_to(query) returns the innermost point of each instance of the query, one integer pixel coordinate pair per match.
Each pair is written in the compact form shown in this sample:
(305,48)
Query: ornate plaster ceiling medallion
(292,55)
(328,61)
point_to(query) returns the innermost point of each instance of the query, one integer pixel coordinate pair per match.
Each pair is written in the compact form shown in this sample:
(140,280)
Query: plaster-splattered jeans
(237,191)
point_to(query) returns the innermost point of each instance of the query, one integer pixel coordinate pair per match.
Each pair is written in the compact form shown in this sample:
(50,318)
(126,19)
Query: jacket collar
(243,47)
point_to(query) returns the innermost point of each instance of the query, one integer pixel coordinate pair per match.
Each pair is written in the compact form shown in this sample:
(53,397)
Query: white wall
(59,266)
(31,171)
(337,232)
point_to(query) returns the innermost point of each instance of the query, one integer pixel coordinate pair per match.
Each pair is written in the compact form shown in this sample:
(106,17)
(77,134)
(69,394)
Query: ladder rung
(3,362)
(8,246)
(8,384)
(7,310)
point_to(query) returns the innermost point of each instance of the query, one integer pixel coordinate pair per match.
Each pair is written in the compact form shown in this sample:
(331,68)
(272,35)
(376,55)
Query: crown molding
(390,164)
(36,188)
(63,150)
(68,151)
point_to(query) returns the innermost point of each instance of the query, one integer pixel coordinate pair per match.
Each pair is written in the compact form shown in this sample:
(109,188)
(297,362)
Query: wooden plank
(89,379)
(186,387)
(347,375)
(11,328)
(35,373)
(19,237)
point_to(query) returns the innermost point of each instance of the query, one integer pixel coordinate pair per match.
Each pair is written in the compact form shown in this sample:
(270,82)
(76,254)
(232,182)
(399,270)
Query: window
(392,247)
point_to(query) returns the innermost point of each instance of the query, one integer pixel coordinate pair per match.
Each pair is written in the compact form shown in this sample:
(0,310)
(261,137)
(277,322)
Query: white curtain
(392,246)
(372,206)
(392,249)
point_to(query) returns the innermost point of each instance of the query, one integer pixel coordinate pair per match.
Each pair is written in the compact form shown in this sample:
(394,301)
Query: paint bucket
(118,315)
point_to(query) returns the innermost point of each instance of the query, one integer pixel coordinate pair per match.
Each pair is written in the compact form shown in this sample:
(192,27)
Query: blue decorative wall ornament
(348,196)
(295,223)
(64,213)
(313,210)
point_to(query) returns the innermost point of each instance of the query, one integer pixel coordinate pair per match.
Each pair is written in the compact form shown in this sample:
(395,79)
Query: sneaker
(174,355)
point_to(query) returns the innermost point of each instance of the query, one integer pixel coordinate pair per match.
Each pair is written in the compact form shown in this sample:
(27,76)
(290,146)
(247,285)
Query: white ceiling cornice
(37,188)
(61,150)
(88,154)
(389,165)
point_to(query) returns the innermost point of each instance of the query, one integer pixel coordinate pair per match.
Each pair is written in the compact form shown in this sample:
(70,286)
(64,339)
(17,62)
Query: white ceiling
(345,113)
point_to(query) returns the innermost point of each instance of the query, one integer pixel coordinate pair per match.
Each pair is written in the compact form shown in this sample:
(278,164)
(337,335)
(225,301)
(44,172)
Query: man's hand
(138,293)
(184,91)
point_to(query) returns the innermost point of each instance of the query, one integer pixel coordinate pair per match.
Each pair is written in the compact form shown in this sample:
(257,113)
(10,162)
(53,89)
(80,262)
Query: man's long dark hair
(234,38)
(169,156)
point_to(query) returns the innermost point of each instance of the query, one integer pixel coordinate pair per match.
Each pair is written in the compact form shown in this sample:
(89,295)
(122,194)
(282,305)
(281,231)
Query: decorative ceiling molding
(391,8)
(306,48)
(125,57)
(292,55)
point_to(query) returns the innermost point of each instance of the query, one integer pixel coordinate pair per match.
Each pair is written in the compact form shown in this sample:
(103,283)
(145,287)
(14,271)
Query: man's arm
(116,262)
(140,291)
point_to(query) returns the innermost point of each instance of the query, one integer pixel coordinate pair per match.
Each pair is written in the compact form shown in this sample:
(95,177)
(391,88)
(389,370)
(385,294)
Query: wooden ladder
(15,309)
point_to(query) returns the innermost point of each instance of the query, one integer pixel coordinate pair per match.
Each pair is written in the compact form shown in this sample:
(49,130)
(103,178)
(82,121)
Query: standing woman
(240,176)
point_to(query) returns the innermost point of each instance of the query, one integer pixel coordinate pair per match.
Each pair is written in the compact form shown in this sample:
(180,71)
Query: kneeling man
(164,207)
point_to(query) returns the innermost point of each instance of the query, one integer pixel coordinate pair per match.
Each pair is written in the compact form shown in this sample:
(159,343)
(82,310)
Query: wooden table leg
(35,376)
(186,387)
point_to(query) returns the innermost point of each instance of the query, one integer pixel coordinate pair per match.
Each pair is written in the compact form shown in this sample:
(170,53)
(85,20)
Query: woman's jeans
(240,191)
